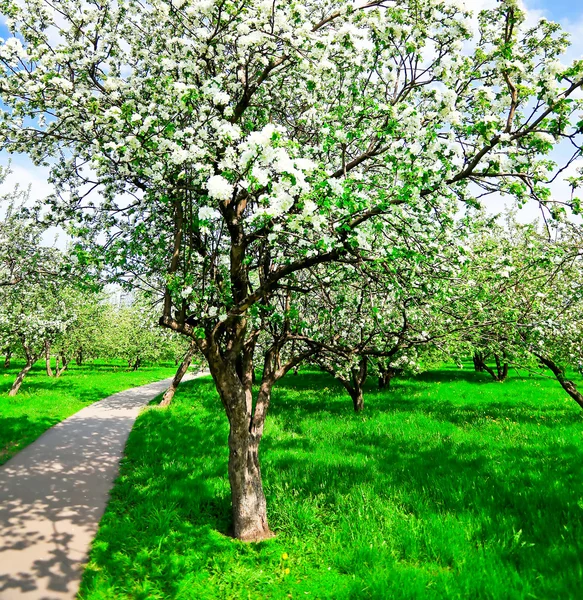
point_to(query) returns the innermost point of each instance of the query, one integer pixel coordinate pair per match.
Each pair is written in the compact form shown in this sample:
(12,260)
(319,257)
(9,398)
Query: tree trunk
(499,374)
(359,376)
(385,377)
(7,358)
(20,378)
(501,369)
(48,358)
(247,496)
(479,361)
(355,384)
(357,399)
(137,364)
(79,357)
(566,384)
(249,507)
(169,393)
(64,367)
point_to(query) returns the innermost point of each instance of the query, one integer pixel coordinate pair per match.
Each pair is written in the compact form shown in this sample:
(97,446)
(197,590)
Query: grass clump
(447,486)
(45,401)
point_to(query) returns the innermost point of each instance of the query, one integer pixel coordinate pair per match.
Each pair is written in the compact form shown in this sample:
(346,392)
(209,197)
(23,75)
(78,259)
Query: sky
(567,12)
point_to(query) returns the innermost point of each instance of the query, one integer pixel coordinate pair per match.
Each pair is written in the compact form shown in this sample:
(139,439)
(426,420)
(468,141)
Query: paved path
(54,492)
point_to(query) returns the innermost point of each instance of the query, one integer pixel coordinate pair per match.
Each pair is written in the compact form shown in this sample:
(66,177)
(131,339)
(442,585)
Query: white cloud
(24,174)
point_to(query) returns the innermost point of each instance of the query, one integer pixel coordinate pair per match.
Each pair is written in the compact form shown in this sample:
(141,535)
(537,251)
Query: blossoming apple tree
(522,297)
(382,316)
(236,143)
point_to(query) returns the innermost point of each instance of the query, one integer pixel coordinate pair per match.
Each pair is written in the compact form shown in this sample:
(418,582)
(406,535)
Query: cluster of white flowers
(219,188)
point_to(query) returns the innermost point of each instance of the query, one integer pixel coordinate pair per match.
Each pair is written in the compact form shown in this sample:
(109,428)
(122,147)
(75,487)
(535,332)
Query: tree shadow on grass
(172,496)
(170,509)
(17,432)
(453,375)
(404,397)
(523,506)
(37,382)
(35,386)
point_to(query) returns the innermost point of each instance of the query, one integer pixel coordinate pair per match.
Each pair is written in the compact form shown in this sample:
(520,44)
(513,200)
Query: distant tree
(24,258)
(131,333)
(31,317)
(180,373)
(523,299)
(33,276)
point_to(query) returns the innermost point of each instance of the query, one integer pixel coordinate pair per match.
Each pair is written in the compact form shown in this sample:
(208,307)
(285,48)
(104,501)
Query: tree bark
(559,373)
(65,366)
(359,375)
(499,374)
(137,364)
(79,357)
(248,499)
(48,358)
(249,507)
(30,360)
(385,377)
(479,361)
(357,399)
(355,385)
(186,361)
(7,358)
(20,378)
(501,368)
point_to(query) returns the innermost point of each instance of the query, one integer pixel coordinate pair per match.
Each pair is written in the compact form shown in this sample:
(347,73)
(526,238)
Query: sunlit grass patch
(45,401)
(447,486)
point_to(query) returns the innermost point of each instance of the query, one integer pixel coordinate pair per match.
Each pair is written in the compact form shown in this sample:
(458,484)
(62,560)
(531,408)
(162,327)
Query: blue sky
(559,10)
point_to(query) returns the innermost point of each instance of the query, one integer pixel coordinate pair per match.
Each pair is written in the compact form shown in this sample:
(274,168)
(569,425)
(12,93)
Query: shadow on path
(54,492)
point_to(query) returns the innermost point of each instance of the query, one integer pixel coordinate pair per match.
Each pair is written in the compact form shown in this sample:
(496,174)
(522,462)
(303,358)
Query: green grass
(447,486)
(43,402)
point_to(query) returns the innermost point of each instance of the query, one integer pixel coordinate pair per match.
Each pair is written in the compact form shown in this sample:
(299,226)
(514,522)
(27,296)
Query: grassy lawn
(42,401)
(447,486)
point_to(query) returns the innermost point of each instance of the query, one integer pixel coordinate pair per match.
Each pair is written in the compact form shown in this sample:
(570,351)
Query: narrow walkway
(54,492)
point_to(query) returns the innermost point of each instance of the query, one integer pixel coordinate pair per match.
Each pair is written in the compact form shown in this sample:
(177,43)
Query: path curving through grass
(54,492)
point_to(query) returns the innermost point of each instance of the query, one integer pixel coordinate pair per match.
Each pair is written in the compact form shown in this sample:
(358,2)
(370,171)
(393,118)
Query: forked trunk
(233,382)
(499,374)
(169,393)
(20,378)
(61,370)
(48,358)
(354,385)
(479,360)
